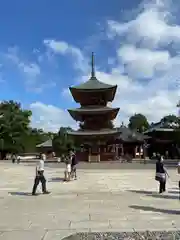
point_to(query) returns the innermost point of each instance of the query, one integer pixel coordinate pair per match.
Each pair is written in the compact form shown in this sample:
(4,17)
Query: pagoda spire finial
(92,66)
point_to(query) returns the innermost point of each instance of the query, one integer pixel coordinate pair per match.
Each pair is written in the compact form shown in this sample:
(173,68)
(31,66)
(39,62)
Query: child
(67,171)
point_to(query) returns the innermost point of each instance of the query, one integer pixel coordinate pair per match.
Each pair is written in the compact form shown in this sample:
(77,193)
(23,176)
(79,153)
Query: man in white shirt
(40,177)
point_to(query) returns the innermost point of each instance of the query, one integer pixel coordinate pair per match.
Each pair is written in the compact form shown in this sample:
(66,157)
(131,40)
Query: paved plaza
(100,200)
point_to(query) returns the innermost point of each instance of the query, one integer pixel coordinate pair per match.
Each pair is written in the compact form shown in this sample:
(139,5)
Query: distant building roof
(128,135)
(47,143)
(162,127)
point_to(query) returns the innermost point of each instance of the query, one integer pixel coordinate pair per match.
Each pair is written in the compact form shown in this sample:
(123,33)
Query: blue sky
(45,47)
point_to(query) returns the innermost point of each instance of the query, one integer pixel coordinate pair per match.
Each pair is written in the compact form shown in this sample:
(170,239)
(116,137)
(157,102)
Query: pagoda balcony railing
(96,126)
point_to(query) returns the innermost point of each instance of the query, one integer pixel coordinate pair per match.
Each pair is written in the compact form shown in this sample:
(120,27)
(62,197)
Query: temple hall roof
(47,143)
(162,127)
(128,135)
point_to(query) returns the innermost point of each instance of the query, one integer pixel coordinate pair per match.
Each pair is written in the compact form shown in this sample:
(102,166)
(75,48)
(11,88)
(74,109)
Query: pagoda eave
(79,94)
(79,114)
(92,133)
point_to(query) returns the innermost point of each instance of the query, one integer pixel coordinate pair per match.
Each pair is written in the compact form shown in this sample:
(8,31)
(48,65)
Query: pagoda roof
(102,132)
(92,110)
(93,84)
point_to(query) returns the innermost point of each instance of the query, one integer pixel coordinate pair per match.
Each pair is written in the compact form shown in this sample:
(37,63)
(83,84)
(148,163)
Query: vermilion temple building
(100,140)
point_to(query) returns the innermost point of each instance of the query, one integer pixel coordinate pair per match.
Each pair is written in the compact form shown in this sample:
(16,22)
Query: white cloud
(31,69)
(63,48)
(144,68)
(159,94)
(153,26)
(132,97)
(49,117)
(141,62)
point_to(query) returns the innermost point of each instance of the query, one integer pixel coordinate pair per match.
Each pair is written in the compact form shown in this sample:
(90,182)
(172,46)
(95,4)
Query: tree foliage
(170,119)
(16,134)
(138,122)
(14,125)
(34,137)
(62,142)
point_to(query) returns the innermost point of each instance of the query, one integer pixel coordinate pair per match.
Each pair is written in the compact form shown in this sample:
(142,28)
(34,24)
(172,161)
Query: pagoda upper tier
(93,91)
(83,113)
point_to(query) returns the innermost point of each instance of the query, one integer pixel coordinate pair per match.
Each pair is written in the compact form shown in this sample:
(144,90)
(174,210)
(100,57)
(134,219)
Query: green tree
(14,126)
(34,137)
(138,122)
(62,141)
(170,119)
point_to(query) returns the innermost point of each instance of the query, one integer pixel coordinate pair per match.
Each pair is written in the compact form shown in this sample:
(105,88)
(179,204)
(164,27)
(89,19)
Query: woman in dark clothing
(73,165)
(161,174)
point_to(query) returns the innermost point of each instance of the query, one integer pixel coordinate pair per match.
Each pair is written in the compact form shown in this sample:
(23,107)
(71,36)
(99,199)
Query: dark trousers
(39,178)
(162,186)
(73,171)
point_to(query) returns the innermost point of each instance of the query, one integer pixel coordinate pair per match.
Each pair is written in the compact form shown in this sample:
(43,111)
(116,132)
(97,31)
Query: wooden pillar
(99,155)
(122,149)
(89,155)
(135,151)
(141,152)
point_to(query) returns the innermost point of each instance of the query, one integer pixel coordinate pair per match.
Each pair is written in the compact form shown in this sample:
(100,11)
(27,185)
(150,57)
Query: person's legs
(69,176)
(75,172)
(43,182)
(36,182)
(160,187)
(65,175)
(164,186)
(72,172)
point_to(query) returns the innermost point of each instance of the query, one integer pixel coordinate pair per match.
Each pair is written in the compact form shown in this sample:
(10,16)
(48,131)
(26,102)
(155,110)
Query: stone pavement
(100,200)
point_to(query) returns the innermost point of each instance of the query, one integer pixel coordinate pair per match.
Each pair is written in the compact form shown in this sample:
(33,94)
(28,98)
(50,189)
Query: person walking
(161,174)
(40,177)
(18,159)
(74,163)
(67,172)
(13,157)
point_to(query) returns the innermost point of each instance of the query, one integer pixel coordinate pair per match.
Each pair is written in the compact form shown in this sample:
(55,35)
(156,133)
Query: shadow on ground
(153,209)
(125,235)
(174,192)
(142,192)
(165,196)
(20,193)
(56,179)
(157,195)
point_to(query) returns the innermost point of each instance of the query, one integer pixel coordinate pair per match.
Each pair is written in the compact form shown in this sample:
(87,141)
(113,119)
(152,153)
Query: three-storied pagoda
(95,117)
